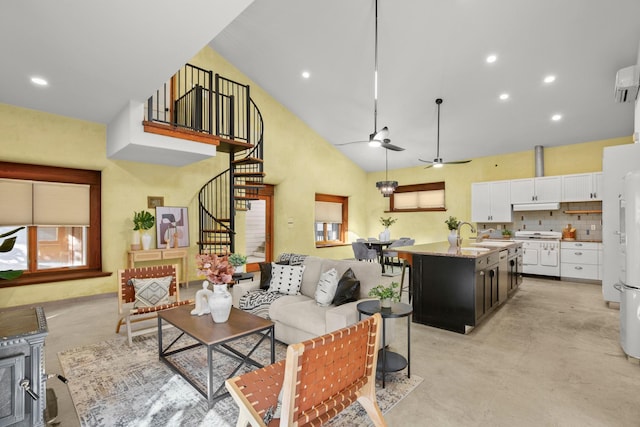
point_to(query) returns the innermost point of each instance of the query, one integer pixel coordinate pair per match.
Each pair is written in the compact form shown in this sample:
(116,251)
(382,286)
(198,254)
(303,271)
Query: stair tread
(217,231)
(247,160)
(250,174)
(249,185)
(246,198)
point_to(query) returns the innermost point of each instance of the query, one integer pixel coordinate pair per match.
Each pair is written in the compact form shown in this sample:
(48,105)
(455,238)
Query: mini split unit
(627,84)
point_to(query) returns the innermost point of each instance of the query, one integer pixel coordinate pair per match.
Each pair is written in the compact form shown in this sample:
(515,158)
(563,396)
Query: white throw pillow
(286,279)
(326,288)
(152,291)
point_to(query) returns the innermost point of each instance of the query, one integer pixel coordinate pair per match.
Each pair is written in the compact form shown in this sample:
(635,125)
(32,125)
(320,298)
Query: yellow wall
(297,160)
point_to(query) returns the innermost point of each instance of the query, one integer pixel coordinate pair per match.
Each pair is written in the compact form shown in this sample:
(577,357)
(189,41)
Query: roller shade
(329,212)
(58,204)
(16,207)
(419,199)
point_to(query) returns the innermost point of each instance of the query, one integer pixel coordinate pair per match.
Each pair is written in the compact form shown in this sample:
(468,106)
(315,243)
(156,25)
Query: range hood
(536,207)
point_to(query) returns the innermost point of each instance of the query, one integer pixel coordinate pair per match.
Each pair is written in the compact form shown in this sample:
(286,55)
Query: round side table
(389,361)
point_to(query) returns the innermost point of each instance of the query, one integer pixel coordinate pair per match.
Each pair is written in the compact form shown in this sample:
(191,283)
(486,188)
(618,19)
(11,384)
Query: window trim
(414,188)
(344,201)
(94,231)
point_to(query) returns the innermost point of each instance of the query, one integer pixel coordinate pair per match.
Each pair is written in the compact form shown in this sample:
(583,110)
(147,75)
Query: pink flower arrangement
(216,269)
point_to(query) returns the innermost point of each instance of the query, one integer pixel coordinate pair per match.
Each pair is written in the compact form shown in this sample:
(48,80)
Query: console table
(162,254)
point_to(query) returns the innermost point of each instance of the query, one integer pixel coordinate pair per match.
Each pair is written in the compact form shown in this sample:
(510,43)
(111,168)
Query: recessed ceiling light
(39,81)
(491,59)
(556,117)
(549,79)
(504,96)
(306,74)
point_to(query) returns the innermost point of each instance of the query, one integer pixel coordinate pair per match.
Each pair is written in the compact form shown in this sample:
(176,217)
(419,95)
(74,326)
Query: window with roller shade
(331,219)
(418,198)
(59,209)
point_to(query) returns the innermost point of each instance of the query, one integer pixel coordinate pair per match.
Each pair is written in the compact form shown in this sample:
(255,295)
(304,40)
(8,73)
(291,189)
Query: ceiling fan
(437,162)
(379,138)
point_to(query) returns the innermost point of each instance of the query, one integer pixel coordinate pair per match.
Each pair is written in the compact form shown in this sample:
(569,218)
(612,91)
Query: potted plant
(386,294)
(142,220)
(7,246)
(506,233)
(385,236)
(452,224)
(238,261)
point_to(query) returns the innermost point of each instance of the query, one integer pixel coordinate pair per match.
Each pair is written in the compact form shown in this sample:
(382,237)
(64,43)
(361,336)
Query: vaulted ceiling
(98,55)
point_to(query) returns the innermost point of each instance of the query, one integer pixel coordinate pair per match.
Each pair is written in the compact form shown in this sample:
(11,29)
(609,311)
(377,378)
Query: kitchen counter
(456,288)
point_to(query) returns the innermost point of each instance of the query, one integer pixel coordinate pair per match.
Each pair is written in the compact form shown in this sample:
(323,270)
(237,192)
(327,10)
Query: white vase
(220,303)
(385,303)
(135,240)
(240,269)
(385,236)
(146,241)
(453,238)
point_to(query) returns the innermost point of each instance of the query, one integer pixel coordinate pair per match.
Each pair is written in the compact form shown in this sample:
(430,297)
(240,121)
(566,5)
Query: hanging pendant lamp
(386,187)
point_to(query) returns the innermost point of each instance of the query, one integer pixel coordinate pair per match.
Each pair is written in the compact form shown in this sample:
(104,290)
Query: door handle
(26,385)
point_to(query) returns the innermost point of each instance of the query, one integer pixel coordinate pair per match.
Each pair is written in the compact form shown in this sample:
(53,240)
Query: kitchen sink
(476,249)
(493,244)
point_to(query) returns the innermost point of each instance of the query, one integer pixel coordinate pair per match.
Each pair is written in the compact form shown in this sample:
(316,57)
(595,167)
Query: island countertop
(468,250)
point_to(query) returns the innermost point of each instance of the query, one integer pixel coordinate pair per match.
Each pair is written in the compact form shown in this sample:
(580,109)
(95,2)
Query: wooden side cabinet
(163,254)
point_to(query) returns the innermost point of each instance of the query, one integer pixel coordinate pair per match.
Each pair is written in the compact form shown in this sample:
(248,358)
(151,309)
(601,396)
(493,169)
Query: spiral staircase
(209,108)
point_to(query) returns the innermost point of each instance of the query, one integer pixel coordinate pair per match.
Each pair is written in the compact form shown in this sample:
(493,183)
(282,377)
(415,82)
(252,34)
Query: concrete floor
(549,357)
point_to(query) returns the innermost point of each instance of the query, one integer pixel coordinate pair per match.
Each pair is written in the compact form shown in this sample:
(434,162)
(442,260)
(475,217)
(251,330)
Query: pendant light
(386,187)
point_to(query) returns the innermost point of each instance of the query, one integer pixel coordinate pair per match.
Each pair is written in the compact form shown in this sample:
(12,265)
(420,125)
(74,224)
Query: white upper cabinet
(490,201)
(545,189)
(582,187)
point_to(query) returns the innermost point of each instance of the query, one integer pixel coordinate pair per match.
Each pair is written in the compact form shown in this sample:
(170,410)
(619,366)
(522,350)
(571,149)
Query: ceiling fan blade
(348,143)
(457,163)
(425,161)
(386,144)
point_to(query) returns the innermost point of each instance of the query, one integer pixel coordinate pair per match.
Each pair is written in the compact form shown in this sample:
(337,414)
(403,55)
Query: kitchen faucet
(459,238)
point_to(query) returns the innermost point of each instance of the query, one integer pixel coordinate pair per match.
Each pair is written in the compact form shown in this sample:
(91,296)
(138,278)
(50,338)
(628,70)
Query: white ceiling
(99,55)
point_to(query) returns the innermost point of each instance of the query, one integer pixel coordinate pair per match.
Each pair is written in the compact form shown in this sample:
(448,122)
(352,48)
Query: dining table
(379,246)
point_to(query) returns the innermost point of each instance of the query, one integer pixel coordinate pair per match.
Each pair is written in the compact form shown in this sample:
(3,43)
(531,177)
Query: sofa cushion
(258,302)
(348,289)
(301,311)
(286,279)
(291,259)
(313,268)
(368,273)
(326,289)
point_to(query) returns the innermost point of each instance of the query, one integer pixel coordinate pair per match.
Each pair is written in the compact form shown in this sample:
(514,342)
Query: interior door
(259,229)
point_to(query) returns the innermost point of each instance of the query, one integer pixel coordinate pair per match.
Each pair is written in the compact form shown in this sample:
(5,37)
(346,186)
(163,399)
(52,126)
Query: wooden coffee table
(215,337)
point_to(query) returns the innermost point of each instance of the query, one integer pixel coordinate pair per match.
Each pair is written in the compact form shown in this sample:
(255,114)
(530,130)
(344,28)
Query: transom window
(331,219)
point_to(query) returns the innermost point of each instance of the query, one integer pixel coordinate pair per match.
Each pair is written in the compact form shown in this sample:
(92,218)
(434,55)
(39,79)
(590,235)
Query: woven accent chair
(319,379)
(127,296)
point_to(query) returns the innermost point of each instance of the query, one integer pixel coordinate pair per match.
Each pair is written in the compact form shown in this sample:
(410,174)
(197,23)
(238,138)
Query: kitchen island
(456,288)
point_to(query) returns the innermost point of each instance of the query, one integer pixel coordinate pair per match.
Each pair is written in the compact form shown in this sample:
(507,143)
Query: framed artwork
(154,201)
(172,227)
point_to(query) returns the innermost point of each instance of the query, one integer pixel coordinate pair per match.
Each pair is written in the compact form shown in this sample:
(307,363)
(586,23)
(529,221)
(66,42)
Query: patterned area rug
(112,384)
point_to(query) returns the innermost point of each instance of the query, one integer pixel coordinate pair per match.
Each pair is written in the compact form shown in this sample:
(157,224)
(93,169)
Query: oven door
(530,253)
(12,396)
(549,256)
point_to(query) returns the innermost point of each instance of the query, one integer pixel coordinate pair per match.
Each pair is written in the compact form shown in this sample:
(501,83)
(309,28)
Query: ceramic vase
(146,241)
(220,303)
(385,236)
(453,238)
(135,240)
(385,303)
(240,269)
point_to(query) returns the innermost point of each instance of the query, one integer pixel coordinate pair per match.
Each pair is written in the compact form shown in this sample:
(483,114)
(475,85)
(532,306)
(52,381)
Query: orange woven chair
(127,297)
(319,378)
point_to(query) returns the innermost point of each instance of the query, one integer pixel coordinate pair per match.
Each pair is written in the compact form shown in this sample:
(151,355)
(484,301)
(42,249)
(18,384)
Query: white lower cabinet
(580,260)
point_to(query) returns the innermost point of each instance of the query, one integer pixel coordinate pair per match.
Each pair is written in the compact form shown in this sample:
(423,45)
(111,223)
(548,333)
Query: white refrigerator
(629,284)
(617,161)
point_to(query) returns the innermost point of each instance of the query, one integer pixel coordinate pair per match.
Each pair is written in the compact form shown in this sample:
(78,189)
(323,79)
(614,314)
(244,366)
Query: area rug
(112,384)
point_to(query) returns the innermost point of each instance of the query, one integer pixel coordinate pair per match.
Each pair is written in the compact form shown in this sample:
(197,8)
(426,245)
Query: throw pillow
(326,288)
(152,291)
(286,279)
(348,289)
(265,274)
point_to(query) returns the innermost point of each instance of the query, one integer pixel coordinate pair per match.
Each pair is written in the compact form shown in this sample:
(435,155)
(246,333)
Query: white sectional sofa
(298,317)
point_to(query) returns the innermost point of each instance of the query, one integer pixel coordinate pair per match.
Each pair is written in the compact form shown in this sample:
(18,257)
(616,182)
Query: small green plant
(506,233)
(391,292)
(237,260)
(143,220)
(452,222)
(387,222)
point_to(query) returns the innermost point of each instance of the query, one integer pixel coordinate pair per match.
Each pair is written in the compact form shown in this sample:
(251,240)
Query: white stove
(540,252)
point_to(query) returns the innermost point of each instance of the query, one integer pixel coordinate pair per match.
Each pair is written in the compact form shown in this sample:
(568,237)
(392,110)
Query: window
(331,215)
(61,241)
(418,198)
